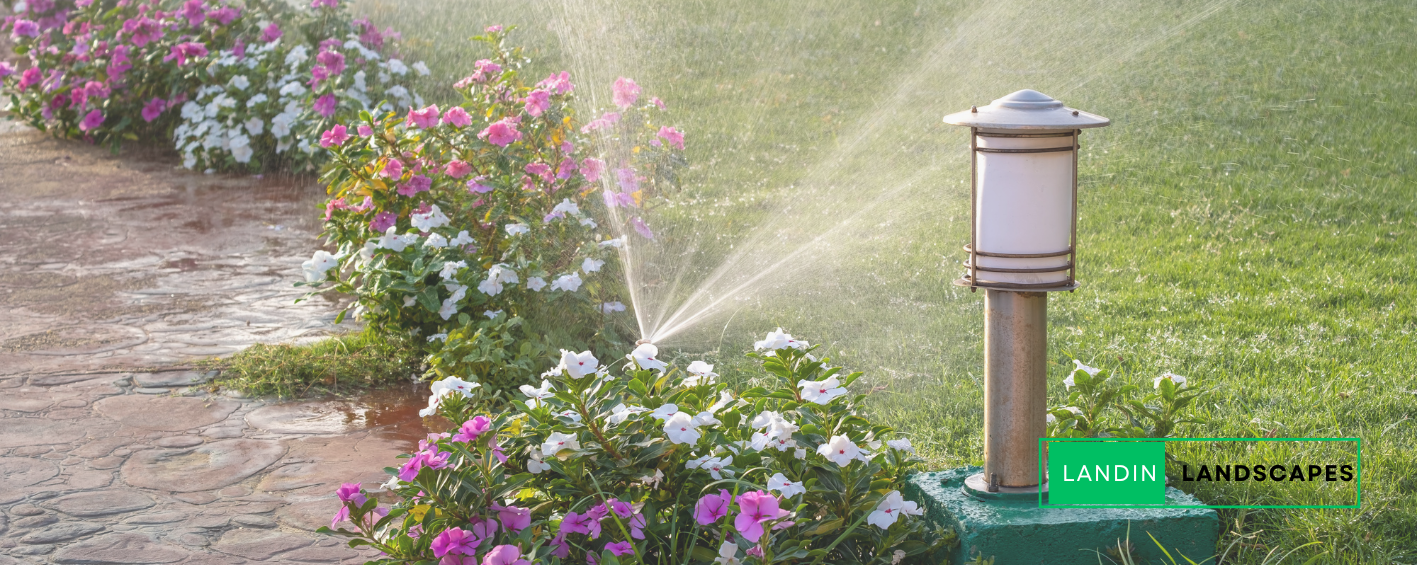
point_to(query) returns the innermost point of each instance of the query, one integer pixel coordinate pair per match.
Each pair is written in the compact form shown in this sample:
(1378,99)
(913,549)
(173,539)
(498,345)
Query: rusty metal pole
(1015,386)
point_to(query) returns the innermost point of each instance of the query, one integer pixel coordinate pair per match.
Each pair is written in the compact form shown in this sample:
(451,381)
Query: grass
(1248,220)
(340,365)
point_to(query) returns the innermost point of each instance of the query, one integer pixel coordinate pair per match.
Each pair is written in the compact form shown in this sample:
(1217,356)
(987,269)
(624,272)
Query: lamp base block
(1018,531)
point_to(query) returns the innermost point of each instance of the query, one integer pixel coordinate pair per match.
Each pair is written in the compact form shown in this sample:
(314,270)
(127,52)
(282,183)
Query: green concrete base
(1017,533)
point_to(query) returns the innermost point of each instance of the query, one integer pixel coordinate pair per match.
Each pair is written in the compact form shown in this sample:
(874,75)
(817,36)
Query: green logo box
(1131,472)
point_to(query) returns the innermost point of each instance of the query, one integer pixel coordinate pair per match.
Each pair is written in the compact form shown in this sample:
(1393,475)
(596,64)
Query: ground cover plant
(341,365)
(654,465)
(491,229)
(1245,221)
(243,86)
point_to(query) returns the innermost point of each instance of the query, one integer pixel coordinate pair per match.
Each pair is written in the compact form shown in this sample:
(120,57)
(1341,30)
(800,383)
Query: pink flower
(560,84)
(513,518)
(537,102)
(472,428)
(457,116)
(224,15)
(626,92)
(24,28)
(325,105)
(504,555)
(540,169)
(641,228)
(335,136)
(563,549)
(347,492)
(620,548)
(95,89)
(118,62)
(482,531)
(271,33)
(383,221)
(429,457)
(415,185)
(566,168)
(603,122)
(153,109)
(591,169)
(494,29)
(364,130)
(617,199)
(457,169)
(192,10)
(183,51)
(657,102)
(581,524)
(324,3)
(483,70)
(91,121)
(672,136)
(393,169)
(619,507)
(475,185)
(637,526)
(454,540)
(502,132)
(332,60)
(712,507)
(6,69)
(628,179)
(754,508)
(143,30)
(425,118)
(30,77)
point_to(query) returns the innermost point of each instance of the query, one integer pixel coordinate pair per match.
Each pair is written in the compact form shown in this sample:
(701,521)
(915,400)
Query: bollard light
(1022,245)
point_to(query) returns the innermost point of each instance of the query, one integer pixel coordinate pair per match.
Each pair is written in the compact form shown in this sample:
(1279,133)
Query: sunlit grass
(340,365)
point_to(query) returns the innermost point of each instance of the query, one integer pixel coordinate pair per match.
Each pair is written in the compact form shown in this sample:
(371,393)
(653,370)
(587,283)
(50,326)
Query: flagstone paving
(116,274)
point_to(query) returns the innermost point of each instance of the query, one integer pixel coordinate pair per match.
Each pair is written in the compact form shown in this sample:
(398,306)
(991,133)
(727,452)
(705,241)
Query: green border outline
(1358,479)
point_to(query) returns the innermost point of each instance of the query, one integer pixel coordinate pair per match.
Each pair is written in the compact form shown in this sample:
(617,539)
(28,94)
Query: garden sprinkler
(1022,245)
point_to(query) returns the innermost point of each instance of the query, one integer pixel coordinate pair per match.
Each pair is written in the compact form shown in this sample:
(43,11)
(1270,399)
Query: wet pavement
(116,274)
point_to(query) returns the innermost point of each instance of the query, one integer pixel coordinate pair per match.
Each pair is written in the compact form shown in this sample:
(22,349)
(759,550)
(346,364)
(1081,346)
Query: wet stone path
(115,274)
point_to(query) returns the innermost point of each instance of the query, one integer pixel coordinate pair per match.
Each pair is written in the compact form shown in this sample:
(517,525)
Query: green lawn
(1247,221)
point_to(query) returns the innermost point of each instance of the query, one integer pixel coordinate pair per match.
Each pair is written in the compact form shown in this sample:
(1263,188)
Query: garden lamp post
(1022,245)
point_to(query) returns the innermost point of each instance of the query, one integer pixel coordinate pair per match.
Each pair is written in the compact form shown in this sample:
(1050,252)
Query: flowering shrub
(474,225)
(656,465)
(1098,406)
(231,84)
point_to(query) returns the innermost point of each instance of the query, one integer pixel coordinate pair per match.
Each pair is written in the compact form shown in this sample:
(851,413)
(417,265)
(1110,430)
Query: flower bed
(474,226)
(234,86)
(656,465)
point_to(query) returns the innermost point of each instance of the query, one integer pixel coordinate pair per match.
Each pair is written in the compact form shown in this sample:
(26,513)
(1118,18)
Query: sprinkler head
(642,342)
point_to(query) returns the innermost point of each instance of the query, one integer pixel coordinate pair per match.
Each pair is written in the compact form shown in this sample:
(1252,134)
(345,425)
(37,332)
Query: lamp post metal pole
(1015,385)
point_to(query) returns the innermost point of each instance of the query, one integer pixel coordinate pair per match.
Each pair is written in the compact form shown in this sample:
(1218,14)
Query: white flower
(360,81)
(517,229)
(622,412)
(897,556)
(435,241)
(705,418)
(901,444)
(191,111)
(490,287)
(609,307)
(537,394)
(397,67)
(421,67)
(723,399)
(787,488)
(700,373)
(665,412)
(568,283)
(280,125)
(727,554)
(617,243)
(536,283)
(492,314)
(502,273)
(887,511)
(589,222)
(571,415)
(240,82)
(257,99)
(450,385)
(558,442)
(451,268)
(1052,419)
(1175,379)
(821,392)
(578,365)
(535,465)
(839,450)
(297,55)
(644,356)
(680,429)
(255,126)
(294,89)
(438,337)
(450,305)
(1075,410)
(189,160)
(1090,370)
(591,265)
(566,207)
(316,267)
(392,241)
(801,453)
(461,239)
(777,340)
(1068,382)
(433,218)
(242,153)
(716,466)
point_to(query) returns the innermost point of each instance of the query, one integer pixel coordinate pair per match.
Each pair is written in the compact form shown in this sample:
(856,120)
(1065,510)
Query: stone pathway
(113,272)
